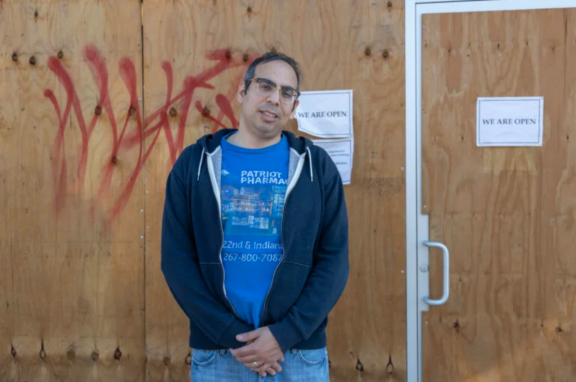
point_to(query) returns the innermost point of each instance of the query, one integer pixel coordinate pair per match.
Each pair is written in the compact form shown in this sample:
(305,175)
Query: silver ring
(256,364)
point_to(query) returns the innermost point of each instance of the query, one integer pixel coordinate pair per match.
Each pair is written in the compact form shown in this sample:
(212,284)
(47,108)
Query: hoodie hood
(299,147)
(211,142)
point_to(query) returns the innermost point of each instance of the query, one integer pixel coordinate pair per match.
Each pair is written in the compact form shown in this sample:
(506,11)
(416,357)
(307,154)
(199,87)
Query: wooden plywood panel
(71,285)
(340,45)
(504,212)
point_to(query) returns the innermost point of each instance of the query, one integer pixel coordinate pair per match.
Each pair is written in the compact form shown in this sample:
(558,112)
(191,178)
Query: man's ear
(240,94)
(294,108)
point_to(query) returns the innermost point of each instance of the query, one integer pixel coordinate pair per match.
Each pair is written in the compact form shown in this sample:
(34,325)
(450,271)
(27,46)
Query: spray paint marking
(150,128)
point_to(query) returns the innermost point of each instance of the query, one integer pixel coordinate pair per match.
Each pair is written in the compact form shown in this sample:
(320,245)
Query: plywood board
(71,237)
(355,45)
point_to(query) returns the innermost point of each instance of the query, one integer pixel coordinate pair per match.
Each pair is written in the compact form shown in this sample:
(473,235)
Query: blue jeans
(221,366)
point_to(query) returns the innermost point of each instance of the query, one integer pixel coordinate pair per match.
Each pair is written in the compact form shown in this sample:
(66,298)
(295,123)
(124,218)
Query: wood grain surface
(72,269)
(340,45)
(97,100)
(506,213)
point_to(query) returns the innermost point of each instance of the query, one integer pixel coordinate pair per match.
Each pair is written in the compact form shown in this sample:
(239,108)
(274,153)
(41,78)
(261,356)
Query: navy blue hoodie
(314,235)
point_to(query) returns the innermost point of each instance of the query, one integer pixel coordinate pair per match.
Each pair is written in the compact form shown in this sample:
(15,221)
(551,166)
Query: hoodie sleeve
(329,273)
(181,270)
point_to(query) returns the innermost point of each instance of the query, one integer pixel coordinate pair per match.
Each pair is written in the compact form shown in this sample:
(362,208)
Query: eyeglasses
(266,88)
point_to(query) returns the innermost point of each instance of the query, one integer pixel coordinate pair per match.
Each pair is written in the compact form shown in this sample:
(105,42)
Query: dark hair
(271,56)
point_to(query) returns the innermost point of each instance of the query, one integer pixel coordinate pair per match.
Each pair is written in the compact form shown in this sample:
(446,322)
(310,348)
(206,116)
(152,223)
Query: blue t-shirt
(253,186)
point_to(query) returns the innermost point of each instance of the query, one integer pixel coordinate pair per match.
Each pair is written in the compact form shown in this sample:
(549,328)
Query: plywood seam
(144,209)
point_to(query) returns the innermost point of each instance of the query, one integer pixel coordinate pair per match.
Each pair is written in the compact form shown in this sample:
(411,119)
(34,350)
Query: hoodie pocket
(288,285)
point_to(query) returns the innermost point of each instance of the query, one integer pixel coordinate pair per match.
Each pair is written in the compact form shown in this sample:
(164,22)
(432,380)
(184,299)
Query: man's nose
(275,97)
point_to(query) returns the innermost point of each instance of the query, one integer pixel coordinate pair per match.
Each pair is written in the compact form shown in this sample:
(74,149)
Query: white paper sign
(326,114)
(342,153)
(510,121)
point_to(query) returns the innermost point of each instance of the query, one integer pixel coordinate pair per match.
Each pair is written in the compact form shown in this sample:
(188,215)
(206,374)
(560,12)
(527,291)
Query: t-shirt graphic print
(253,188)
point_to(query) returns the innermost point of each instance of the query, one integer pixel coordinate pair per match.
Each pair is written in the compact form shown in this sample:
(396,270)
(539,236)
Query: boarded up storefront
(97,100)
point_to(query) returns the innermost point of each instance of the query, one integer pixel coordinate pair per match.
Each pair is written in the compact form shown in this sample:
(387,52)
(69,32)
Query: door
(502,217)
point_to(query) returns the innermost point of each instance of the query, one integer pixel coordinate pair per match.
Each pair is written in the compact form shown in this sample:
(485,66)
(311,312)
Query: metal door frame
(416,223)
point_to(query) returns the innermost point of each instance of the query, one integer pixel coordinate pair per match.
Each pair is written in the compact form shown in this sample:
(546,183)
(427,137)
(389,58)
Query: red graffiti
(128,138)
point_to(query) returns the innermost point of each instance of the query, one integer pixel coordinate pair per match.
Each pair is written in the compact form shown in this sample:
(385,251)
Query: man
(255,239)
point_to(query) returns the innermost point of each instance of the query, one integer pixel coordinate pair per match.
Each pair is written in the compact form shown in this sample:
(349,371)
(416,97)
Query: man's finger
(250,336)
(250,365)
(275,366)
(243,351)
(249,358)
(263,368)
(271,371)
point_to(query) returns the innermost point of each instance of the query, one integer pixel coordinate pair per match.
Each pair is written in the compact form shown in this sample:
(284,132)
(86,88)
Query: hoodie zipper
(216,190)
(291,186)
(223,271)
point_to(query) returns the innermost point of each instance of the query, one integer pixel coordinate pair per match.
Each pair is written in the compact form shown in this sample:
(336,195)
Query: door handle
(446,286)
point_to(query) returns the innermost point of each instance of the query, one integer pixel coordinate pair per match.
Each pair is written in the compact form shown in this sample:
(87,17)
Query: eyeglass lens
(267,87)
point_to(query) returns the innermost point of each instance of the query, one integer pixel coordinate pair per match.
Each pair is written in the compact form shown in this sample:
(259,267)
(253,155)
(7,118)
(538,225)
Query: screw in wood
(32,60)
(15,57)
(117,354)
(173,112)
(98,110)
(60,55)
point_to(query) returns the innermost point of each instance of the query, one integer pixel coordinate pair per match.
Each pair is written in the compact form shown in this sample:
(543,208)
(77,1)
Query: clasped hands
(262,353)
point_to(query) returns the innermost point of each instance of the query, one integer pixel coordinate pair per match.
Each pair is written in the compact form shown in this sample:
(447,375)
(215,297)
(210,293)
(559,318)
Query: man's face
(266,116)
